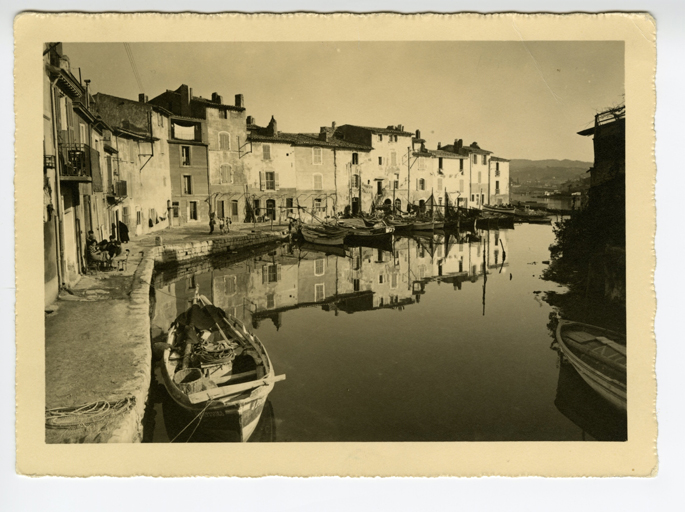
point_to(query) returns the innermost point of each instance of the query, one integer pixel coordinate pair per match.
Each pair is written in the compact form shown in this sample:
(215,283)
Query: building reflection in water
(268,284)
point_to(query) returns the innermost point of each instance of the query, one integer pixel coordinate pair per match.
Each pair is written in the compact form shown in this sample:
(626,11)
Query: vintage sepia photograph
(347,245)
(426,238)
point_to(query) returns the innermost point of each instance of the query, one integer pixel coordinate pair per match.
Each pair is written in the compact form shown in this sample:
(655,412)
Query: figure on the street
(212,222)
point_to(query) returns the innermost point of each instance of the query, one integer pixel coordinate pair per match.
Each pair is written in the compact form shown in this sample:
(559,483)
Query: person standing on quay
(212,221)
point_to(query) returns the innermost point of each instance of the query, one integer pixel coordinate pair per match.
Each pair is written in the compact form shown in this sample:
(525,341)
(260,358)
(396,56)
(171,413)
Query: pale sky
(519,100)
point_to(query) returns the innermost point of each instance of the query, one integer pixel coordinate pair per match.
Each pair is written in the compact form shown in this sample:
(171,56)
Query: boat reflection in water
(587,409)
(183,426)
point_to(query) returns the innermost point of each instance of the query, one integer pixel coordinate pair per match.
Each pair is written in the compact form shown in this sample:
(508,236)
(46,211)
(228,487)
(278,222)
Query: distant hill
(547,171)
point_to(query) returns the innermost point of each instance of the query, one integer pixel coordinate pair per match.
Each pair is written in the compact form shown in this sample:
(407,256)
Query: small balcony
(77,162)
(118,189)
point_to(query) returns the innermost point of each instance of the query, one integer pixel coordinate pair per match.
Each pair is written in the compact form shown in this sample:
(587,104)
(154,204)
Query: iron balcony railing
(77,161)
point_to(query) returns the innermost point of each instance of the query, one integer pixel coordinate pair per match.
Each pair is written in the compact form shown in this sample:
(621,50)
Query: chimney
(216,98)
(240,101)
(186,95)
(87,93)
(324,134)
(458,144)
(439,145)
(333,125)
(250,120)
(142,98)
(418,134)
(272,129)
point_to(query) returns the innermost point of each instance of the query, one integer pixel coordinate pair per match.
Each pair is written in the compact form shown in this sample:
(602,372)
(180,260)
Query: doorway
(271,209)
(355,206)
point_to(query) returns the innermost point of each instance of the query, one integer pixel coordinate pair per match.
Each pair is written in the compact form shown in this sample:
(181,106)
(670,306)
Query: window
(139,218)
(475,159)
(229,285)
(82,133)
(234,208)
(497,187)
(192,213)
(356,263)
(355,285)
(220,209)
(485,159)
(421,185)
(185,156)
(472,197)
(271,273)
(440,163)
(395,138)
(497,168)
(226,174)
(187,184)
(174,207)
(266,151)
(440,184)
(379,188)
(393,158)
(380,138)
(355,158)
(380,160)
(461,165)
(380,279)
(355,181)
(224,141)
(318,205)
(319,292)
(270,301)
(319,268)
(396,184)
(316,156)
(270,183)
(318,181)
(289,205)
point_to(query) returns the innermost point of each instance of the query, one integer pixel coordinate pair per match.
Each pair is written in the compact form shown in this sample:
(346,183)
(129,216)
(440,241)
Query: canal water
(436,338)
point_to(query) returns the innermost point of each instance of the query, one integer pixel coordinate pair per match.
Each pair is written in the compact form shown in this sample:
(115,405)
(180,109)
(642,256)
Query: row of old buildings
(114,165)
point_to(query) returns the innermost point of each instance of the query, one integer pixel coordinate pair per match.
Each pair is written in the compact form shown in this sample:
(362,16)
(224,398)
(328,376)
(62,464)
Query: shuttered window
(316,156)
(318,182)
(226,174)
(266,151)
(224,141)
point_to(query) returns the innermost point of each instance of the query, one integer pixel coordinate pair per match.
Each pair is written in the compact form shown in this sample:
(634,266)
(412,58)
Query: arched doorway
(271,209)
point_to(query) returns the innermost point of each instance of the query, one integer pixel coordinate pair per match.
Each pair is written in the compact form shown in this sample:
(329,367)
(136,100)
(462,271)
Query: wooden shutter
(266,151)
(262,180)
(417,183)
(265,274)
(278,272)
(276,183)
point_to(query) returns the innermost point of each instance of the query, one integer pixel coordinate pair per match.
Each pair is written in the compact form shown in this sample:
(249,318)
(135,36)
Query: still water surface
(440,338)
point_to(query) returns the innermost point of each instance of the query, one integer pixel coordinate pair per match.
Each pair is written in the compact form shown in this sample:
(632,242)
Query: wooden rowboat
(327,236)
(599,357)
(214,367)
(499,209)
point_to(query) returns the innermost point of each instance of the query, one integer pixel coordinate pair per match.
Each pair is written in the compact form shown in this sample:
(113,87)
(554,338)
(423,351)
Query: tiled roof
(211,103)
(466,150)
(383,130)
(439,153)
(307,139)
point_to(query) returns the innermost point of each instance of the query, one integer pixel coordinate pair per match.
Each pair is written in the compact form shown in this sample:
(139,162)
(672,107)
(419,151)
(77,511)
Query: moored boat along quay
(98,359)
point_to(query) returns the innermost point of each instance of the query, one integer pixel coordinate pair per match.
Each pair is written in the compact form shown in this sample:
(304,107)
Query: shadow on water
(585,408)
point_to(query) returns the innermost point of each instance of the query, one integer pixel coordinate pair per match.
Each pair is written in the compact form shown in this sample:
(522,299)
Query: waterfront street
(97,346)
